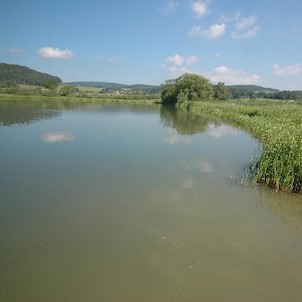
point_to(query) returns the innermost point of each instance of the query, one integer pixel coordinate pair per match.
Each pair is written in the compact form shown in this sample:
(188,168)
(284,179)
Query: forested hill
(149,89)
(252,88)
(23,75)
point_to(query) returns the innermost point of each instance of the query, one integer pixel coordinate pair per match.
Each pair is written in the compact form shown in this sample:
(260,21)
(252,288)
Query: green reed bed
(278,125)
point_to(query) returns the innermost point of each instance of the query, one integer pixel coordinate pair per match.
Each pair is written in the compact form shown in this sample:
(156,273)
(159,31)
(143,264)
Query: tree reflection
(25,112)
(184,121)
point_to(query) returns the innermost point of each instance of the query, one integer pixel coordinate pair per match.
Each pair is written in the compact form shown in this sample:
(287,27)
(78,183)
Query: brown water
(138,203)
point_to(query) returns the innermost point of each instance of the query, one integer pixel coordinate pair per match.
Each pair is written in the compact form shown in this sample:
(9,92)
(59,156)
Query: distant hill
(23,75)
(252,88)
(156,89)
(149,89)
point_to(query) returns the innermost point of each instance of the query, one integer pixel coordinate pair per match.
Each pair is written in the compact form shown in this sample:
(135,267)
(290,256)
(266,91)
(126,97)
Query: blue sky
(236,42)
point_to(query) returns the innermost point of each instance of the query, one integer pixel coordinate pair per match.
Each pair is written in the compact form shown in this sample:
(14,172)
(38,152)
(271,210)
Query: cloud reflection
(205,167)
(57,137)
(172,137)
(221,130)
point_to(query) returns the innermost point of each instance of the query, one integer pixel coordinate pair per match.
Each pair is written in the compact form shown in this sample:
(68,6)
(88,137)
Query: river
(109,202)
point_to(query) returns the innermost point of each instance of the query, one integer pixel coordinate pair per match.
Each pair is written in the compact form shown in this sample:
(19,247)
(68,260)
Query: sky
(148,42)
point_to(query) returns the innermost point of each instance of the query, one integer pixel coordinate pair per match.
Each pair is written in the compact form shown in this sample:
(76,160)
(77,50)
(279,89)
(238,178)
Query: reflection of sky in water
(57,137)
(171,137)
(221,130)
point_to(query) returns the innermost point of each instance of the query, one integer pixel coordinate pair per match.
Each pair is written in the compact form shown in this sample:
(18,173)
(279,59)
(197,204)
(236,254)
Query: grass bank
(108,99)
(277,124)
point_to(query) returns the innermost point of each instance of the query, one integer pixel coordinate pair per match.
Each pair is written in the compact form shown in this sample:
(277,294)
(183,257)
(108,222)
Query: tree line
(193,87)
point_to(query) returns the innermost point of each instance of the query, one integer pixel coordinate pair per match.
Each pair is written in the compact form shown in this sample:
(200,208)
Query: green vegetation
(221,92)
(188,87)
(277,124)
(23,75)
(122,88)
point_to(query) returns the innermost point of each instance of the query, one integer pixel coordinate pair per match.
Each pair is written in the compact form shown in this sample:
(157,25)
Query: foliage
(24,75)
(188,87)
(182,120)
(122,88)
(8,84)
(221,92)
(279,127)
(68,90)
(50,84)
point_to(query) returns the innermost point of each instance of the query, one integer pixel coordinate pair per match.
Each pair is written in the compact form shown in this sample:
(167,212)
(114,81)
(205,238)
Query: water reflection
(172,137)
(183,121)
(284,205)
(218,131)
(57,137)
(25,112)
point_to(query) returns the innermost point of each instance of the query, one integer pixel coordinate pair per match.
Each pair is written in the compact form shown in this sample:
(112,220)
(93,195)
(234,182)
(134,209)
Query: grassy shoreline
(112,99)
(278,126)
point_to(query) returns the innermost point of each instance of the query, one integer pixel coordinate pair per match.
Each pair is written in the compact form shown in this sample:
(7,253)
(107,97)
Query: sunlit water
(138,203)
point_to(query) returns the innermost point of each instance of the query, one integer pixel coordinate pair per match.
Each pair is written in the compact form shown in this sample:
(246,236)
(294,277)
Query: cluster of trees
(17,74)
(191,87)
(284,95)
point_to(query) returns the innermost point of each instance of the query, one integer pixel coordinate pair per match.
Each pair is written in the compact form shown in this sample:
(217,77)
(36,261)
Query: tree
(50,84)
(188,87)
(168,92)
(68,90)
(221,92)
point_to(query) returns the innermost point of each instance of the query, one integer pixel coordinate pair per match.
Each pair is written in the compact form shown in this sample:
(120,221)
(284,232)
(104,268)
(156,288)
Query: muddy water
(138,203)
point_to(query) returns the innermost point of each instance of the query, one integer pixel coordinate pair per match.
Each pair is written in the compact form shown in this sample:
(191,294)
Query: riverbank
(105,99)
(278,125)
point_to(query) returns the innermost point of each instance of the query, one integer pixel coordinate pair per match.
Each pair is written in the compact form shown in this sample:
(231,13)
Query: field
(278,125)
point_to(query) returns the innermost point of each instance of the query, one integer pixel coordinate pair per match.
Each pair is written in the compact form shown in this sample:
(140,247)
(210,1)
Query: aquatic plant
(278,125)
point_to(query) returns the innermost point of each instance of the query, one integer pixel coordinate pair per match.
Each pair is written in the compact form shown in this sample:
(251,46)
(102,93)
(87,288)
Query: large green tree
(188,87)
(221,91)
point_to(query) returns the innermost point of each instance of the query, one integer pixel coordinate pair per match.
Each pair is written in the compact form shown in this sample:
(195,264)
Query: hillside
(252,88)
(233,89)
(148,89)
(23,75)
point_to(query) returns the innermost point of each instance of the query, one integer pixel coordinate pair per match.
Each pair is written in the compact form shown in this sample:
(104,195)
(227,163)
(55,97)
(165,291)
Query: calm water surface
(138,203)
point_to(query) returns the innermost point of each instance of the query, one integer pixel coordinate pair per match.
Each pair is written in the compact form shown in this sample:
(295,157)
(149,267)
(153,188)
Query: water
(138,203)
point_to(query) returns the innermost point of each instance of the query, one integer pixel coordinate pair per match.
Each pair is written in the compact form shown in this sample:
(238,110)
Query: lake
(111,202)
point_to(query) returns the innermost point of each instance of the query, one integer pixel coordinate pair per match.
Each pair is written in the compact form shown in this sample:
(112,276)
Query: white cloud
(56,53)
(57,137)
(243,27)
(199,8)
(16,50)
(252,32)
(169,7)
(178,64)
(109,59)
(213,32)
(244,22)
(291,70)
(179,60)
(232,77)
